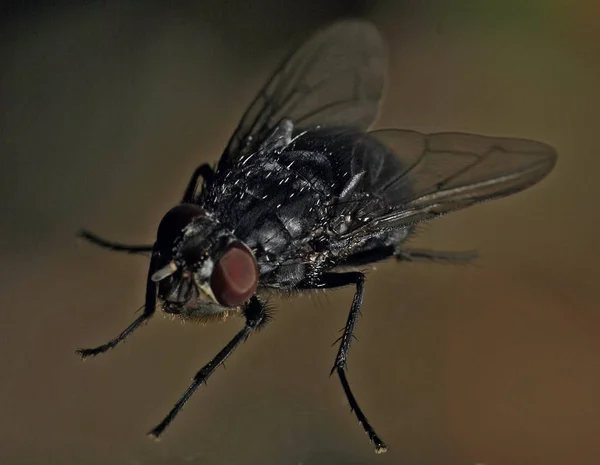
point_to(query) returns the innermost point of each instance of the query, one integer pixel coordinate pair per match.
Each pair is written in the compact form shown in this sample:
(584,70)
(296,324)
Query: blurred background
(106,108)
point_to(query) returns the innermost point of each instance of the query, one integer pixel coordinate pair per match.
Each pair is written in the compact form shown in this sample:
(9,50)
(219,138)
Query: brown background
(106,110)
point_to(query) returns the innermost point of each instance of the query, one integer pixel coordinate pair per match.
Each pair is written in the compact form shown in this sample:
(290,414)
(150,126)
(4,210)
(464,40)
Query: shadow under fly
(304,196)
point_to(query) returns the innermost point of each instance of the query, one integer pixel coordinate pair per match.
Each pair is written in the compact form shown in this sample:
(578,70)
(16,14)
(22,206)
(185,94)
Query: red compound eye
(235,276)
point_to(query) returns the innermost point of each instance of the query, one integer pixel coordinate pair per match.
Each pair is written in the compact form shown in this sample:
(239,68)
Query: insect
(304,196)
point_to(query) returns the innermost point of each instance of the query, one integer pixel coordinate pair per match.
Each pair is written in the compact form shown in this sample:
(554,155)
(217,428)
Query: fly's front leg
(330,281)
(149,309)
(256,317)
(115,246)
(203,171)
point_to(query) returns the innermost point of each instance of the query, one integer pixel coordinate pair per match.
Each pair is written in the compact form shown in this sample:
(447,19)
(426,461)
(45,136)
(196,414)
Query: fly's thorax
(202,263)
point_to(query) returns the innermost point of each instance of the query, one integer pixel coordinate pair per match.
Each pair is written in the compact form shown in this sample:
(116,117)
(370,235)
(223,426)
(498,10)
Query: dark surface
(106,111)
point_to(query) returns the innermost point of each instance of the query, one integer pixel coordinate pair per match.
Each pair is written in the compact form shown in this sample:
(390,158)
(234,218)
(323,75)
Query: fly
(304,195)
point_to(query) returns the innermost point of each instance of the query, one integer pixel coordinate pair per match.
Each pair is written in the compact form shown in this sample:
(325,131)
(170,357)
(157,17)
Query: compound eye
(235,276)
(174,221)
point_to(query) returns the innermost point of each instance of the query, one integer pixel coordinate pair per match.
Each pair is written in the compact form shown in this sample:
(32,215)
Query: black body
(306,195)
(297,204)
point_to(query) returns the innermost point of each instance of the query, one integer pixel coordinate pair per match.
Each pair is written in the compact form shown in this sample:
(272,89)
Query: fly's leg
(378,254)
(256,317)
(116,246)
(149,309)
(203,171)
(330,281)
(367,257)
(436,256)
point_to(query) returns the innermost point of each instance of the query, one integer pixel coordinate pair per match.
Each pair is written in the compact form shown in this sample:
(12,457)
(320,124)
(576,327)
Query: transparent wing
(440,173)
(335,78)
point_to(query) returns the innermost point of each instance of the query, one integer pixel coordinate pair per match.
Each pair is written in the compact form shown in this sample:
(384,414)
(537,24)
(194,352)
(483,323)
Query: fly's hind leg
(378,254)
(436,256)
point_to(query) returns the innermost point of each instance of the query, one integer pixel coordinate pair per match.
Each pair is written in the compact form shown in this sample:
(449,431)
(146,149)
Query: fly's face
(201,263)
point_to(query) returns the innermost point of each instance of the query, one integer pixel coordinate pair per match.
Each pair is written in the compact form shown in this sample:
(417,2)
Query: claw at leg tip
(152,435)
(382,449)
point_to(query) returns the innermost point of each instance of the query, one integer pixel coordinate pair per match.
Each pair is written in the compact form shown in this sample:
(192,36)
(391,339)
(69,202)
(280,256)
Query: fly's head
(202,264)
